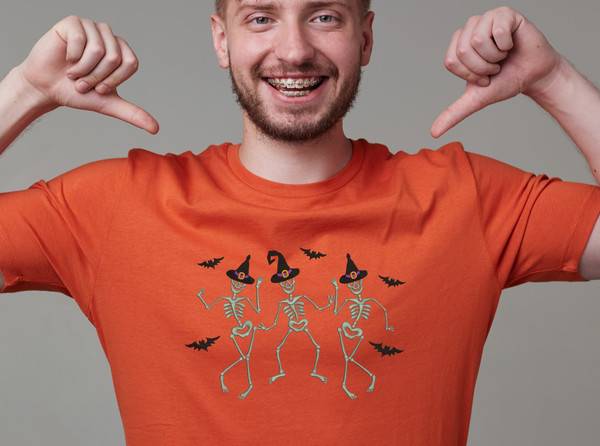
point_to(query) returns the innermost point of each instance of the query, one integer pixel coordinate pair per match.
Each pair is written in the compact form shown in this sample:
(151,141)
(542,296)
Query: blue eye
(261,20)
(325,19)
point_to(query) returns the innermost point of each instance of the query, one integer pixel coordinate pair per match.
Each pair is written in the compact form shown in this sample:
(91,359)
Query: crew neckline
(276,189)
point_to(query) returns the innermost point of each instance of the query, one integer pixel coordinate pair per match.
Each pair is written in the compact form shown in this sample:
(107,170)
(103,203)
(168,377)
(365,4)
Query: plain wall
(538,382)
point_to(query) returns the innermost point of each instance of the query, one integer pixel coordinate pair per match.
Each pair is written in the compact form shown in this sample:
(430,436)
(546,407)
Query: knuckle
(461,51)
(477,40)
(104,27)
(113,59)
(96,50)
(450,63)
(131,62)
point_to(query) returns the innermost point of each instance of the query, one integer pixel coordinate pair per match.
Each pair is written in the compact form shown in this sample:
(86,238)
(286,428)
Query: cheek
(247,51)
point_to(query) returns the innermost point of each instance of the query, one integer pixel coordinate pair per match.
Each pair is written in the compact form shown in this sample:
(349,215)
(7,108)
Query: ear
(220,40)
(367,36)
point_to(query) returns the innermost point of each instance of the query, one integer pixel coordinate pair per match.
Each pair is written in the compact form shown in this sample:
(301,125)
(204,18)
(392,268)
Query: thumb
(472,100)
(115,106)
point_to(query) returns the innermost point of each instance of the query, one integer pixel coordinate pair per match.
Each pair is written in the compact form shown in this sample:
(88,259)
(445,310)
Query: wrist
(24,99)
(553,87)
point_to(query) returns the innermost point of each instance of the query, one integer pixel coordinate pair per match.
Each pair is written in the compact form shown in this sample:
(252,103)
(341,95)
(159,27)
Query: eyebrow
(270,6)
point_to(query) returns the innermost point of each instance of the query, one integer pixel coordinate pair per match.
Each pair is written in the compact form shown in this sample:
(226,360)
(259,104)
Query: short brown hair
(220,6)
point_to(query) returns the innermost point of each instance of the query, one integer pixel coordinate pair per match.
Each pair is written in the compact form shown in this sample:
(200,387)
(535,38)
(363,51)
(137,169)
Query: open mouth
(295,87)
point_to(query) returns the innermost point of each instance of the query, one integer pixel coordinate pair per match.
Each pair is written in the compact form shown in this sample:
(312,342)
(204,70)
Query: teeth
(295,94)
(294,83)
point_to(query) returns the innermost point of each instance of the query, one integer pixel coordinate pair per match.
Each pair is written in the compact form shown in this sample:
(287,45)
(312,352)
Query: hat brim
(248,280)
(277,278)
(345,279)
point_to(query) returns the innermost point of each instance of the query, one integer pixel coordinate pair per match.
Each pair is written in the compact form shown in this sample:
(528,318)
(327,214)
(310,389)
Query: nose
(293,46)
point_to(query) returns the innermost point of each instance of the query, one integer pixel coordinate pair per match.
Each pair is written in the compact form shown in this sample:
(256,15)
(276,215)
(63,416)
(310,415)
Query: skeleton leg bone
(318,349)
(247,358)
(241,358)
(346,358)
(280,374)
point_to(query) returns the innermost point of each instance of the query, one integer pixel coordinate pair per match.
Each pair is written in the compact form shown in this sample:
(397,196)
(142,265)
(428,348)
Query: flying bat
(391,282)
(385,351)
(211,263)
(202,344)
(312,254)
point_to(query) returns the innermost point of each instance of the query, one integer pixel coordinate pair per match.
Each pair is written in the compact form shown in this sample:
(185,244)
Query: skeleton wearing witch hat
(293,307)
(234,307)
(359,308)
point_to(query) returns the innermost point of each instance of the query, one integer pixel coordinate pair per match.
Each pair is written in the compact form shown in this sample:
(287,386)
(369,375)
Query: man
(294,65)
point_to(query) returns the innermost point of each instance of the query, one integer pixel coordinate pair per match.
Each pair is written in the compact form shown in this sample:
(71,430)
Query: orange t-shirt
(233,310)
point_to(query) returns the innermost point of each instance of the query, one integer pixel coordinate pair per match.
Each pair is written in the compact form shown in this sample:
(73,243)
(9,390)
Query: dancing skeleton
(359,309)
(234,307)
(293,307)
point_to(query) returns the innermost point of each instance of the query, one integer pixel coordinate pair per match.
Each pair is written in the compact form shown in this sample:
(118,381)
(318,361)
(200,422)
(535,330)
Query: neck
(295,162)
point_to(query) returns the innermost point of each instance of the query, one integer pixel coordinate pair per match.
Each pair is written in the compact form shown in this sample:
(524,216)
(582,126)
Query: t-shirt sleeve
(535,227)
(52,234)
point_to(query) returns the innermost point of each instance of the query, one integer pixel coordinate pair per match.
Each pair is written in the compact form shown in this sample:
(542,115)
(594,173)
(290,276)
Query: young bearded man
(416,247)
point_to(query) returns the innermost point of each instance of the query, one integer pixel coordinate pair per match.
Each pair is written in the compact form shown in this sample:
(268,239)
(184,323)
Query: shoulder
(147,165)
(426,168)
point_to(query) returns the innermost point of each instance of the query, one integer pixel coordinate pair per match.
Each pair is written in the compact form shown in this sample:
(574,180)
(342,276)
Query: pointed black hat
(352,272)
(284,272)
(242,273)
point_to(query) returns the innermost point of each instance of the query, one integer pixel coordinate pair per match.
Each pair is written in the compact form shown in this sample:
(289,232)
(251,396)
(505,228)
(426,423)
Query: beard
(294,127)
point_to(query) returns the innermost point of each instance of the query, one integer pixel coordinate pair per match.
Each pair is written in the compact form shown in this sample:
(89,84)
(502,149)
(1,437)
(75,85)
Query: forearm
(575,103)
(20,105)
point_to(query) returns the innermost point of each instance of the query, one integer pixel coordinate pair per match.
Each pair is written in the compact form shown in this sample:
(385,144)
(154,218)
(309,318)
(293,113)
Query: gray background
(538,382)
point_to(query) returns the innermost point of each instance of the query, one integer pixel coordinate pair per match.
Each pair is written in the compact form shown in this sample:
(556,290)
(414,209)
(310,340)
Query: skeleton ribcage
(295,310)
(232,310)
(357,311)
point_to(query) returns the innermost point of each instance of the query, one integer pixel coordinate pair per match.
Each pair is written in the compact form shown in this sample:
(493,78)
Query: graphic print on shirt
(234,308)
(293,307)
(202,344)
(312,255)
(212,263)
(385,350)
(391,282)
(360,308)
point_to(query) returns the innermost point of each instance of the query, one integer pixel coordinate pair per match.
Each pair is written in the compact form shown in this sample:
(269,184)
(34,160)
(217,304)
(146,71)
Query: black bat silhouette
(202,344)
(312,254)
(391,282)
(211,263)
(385,351)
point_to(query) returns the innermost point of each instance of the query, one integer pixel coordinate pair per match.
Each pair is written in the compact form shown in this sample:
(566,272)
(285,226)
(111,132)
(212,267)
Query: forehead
(236,6)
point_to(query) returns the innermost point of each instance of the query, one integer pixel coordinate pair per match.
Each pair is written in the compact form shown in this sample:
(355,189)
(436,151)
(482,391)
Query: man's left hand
(500,54)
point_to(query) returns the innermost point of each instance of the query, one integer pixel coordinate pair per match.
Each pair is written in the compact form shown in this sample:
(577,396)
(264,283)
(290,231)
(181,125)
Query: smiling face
(295,64)
(288,286)
(236,287)
(356,287)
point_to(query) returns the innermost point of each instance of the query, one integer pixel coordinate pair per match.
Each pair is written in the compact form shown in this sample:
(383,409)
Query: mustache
(283,69)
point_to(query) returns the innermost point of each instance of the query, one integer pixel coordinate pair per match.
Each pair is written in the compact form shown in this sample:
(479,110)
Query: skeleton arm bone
(276,316)
(257,307)
(314,304)
(336,311)
(200,293)
(333,298)
(387,327)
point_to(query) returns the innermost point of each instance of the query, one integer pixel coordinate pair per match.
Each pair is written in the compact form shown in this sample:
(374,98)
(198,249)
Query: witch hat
(242,273)
(284,272)
(352,272)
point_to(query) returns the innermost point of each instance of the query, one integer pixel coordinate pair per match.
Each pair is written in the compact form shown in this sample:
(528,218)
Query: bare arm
(78,64)
(501,54)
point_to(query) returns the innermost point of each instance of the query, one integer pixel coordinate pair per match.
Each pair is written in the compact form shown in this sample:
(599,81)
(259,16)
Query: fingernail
(71,76)
(483,81)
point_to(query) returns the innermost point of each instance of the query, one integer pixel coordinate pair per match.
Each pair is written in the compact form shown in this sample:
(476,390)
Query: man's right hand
(80,64)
